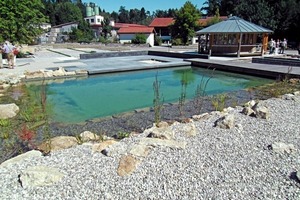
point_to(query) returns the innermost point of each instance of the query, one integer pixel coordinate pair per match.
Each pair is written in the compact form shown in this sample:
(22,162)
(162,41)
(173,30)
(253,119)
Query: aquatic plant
(218,101)
(158,100)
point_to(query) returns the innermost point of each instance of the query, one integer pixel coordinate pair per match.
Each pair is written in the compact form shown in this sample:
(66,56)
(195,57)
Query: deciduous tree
(20,20)
(186,22)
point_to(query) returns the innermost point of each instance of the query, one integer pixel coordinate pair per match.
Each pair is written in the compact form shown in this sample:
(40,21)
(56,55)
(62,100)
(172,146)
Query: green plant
(177,42)
(139,39)
(201,92)
(157,40)
(79,139)
(122,135)
(158,100)
(5,122)
(219,101)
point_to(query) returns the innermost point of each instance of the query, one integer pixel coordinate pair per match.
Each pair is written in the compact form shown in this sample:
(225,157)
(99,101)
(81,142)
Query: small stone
(103,145)
(281,147)
(127,165)
(226,122)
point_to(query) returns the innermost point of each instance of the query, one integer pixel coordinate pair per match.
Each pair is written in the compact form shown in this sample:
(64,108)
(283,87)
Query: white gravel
(216,164)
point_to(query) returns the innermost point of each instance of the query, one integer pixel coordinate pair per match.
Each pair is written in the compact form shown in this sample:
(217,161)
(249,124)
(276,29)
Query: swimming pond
(98,96)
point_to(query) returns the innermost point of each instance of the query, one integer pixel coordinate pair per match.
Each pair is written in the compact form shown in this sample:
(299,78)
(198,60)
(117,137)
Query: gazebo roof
(234,25)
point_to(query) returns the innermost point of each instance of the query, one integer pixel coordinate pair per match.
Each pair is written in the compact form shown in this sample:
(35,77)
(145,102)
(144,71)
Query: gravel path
(216,164)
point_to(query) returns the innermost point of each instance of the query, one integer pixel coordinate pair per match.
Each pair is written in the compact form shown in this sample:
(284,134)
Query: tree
(123,15)
(20,20)
(211,7)
(258,12)
(67,12)
(186,22)
(106,27)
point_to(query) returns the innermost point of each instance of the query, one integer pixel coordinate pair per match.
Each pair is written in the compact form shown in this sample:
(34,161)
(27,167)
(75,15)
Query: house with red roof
(126,34)
(162,27)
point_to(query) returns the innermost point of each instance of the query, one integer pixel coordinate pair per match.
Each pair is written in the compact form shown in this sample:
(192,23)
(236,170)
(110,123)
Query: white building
(126,34)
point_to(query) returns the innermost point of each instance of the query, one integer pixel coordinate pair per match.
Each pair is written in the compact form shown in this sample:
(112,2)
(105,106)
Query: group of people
(7,49)
(277,47)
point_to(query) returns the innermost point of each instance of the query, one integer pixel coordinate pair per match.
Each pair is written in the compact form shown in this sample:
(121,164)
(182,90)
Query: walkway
(247,67)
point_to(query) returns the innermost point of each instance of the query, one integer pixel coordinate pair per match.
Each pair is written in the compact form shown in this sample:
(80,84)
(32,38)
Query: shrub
(177,42)
(157,41)
(139,39)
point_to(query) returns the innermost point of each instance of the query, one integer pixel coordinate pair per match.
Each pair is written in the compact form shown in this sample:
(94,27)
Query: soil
(140,120)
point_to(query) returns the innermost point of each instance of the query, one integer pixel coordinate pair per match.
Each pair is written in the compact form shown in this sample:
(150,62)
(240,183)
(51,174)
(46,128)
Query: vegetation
(139,39)
(157,101)
(20,20)
(19,134)
(186,22)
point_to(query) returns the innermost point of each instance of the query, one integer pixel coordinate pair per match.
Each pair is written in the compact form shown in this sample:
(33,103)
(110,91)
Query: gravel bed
(216,164)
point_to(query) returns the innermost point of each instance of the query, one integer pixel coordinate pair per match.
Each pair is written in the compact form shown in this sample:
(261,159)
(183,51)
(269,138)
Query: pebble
(216,164)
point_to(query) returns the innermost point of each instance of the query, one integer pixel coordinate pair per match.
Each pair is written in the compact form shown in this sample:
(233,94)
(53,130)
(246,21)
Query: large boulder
(21,157)
(8,110)
(58,143)
(38,176)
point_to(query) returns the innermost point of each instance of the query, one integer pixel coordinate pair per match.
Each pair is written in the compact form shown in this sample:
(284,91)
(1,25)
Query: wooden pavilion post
(239,45)
(211,38)
(264,44)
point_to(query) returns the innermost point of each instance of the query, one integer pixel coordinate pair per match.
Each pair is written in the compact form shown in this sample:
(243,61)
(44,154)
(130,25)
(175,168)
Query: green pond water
(104,95)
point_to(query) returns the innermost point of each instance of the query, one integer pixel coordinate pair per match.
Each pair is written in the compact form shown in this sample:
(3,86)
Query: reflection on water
(77,100)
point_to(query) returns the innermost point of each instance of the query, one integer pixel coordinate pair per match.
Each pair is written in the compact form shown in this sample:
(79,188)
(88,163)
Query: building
(162,28)
(126,34)
(57,33)
(234,36)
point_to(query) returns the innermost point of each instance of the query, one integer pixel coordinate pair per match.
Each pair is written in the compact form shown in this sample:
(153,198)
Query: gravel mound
(217,163)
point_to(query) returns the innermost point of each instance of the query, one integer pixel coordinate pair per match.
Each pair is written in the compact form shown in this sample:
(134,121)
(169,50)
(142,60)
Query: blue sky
(149,5)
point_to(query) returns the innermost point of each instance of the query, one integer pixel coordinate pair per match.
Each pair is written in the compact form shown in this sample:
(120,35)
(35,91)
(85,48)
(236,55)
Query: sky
(149,5)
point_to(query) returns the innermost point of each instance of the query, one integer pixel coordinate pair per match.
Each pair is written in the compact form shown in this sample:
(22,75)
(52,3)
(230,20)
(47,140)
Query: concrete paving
(46,58)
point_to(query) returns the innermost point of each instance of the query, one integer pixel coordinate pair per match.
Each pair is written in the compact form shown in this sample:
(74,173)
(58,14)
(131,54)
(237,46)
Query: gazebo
(234,36)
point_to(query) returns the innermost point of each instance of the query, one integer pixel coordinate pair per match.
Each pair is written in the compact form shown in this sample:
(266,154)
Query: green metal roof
(234,25)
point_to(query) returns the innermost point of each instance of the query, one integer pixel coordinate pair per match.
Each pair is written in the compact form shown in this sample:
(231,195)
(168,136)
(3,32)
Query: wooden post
(239,45)
(211,38)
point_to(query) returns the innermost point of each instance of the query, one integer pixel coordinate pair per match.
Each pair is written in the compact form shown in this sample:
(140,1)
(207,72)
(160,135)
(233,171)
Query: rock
(127,165)
(103,145)
(73,73)
(81,72)
(21,157)
(87,136)
(48,73)
(165,143)
(297,93)
(36,74)
(226,122)
(250,103)
(161,125)
(248,111)
(58,143)
(261,111)
(288,97)
(201,117)
(280,147)
(140,150)
(40,176)
(8,110)
(189,129)
(161,133)
(298,175)
(59,72)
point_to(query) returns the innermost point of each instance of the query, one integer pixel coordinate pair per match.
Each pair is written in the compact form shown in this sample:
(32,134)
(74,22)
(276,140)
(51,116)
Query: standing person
(272,46)
(283,45)
(277,46)
(1,60)
(8,50)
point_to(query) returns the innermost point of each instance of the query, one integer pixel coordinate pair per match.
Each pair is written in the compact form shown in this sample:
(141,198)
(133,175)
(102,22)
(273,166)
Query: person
(1,60)
(272,46)
(283,45)
(8,49)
